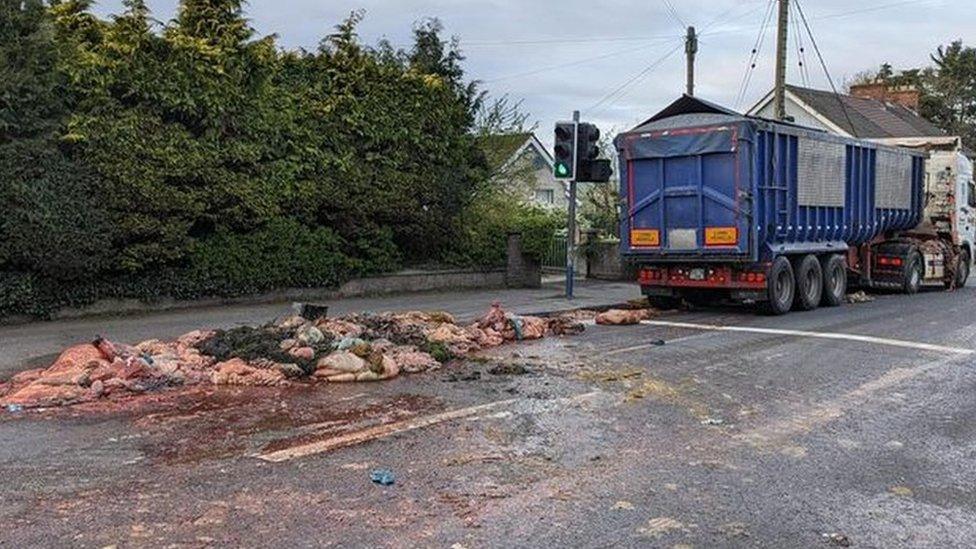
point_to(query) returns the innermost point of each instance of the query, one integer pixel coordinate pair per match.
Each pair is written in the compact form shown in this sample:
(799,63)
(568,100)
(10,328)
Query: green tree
(950,99)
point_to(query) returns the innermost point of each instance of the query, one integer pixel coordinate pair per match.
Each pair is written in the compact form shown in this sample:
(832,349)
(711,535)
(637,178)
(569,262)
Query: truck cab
(950,206)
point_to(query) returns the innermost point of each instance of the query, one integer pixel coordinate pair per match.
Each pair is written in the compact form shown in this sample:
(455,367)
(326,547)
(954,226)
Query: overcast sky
(520,47)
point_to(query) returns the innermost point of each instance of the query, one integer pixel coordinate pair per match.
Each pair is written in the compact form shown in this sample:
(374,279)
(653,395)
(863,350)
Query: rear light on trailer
(890,261)
(648,276)
(752,278)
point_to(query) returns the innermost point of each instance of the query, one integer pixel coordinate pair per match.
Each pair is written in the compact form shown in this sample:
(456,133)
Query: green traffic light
(562,170)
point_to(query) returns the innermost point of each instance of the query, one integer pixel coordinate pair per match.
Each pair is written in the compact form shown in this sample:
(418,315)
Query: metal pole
(691,49)
(781,47)
(571,223)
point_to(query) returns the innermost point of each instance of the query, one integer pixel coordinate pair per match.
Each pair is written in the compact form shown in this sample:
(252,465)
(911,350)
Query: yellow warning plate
(645,238)
(721,236)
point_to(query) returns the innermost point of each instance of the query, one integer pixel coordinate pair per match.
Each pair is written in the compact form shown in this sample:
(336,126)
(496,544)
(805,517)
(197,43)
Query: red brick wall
(906,96)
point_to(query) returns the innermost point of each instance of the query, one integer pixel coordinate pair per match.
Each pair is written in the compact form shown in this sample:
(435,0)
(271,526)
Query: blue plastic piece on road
(15,408)
(382,476)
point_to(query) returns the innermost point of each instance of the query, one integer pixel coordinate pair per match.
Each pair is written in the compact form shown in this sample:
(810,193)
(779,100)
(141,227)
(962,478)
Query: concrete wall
(520,272)
(603,262)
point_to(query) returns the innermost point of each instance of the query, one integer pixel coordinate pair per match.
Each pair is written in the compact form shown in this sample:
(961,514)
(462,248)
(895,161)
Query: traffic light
(595,171)
(565,151)
(589,167)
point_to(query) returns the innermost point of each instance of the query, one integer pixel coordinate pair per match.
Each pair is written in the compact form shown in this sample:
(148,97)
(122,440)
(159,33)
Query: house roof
(860,117)
(502,149)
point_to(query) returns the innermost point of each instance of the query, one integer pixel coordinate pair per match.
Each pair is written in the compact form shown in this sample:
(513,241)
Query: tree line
(194,158)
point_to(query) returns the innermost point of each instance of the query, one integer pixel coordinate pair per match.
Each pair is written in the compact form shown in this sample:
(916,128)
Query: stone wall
(603,262)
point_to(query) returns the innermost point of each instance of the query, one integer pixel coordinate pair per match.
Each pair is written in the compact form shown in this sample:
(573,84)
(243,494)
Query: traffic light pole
(571,231)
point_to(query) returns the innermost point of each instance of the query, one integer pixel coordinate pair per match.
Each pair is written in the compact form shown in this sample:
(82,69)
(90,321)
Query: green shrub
(483,230)
(200,159)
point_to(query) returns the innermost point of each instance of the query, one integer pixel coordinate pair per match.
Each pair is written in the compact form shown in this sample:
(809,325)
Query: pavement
(712,428)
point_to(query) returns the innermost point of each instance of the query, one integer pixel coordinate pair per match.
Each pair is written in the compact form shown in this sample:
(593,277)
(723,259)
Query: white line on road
(820,335)
(389,429)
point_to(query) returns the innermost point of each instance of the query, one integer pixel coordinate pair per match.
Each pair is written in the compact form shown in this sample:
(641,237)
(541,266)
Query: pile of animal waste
(358,347)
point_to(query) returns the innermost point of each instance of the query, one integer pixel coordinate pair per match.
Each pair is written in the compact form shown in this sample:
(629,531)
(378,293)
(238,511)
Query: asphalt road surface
(854,425)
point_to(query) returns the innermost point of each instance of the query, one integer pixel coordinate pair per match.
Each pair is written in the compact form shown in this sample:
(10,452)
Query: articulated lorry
(721,206)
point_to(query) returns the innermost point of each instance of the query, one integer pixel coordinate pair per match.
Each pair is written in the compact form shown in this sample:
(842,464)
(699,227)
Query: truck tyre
(809,283)
(912,274)
(962,271)
(834,280)
(780,288)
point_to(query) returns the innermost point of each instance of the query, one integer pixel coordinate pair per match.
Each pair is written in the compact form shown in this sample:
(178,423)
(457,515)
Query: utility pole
(691,49)
(781,47)
(571,224)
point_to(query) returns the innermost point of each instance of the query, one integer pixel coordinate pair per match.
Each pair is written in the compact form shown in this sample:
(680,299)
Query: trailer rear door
(687,193)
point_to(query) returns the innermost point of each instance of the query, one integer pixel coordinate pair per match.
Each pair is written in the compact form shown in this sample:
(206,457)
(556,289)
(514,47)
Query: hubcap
(838,281)
(811,284)
(782,284)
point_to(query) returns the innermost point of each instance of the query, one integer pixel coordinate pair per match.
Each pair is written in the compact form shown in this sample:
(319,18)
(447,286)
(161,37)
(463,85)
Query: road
(857,422)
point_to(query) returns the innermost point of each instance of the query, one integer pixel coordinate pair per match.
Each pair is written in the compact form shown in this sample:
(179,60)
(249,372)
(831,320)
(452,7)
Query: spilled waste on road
(293,350)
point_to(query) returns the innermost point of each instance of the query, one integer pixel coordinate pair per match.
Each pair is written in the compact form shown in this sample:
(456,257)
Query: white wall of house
(802,114)
(533,173)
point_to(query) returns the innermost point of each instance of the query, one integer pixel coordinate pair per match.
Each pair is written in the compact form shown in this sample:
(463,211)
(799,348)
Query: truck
(721,206)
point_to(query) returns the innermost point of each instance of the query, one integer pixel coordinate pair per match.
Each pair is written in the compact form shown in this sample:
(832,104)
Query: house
(521,162)
(873,111)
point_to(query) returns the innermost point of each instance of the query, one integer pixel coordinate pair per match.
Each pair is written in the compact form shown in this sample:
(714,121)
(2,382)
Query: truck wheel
(912,275)
(962,271)
(834,280)
(780,288)
(809,283)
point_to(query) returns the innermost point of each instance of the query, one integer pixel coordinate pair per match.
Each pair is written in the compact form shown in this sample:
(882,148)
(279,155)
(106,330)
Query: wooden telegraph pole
(691,49)
(781,47)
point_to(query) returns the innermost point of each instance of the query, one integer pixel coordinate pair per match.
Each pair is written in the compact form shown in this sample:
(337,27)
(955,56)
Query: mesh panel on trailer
(893,188)
(821,178)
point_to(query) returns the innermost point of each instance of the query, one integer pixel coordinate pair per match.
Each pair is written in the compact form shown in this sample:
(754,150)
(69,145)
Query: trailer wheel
(780,287)
(809,283)
(912,275)
(834,280)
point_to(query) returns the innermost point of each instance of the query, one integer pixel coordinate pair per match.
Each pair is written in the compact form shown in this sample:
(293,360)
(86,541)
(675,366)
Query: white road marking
(379,431)
(781,431)
(820,335)
(389,429)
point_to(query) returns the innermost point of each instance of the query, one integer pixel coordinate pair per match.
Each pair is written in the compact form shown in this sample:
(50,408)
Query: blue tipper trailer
(719,205)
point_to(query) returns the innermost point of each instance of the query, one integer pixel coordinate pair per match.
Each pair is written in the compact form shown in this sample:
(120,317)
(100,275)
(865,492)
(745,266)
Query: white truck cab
(950,194)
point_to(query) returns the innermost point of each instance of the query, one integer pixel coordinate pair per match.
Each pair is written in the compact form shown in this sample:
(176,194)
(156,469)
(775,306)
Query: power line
(823,64)
(873,8)
(674,15)
(754,55)
(613,95)
(728,12)
(575,40)
(800,49)
(566,65)
(836,15)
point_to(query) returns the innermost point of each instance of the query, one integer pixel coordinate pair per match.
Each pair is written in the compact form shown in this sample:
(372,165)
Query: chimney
(906,96)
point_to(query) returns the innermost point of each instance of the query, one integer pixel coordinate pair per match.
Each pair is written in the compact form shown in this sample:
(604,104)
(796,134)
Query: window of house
(545,196)
(539,163)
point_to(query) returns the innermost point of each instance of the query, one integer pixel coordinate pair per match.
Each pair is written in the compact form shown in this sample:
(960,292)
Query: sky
(621,61)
